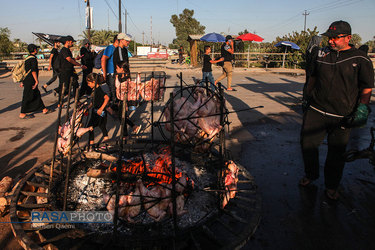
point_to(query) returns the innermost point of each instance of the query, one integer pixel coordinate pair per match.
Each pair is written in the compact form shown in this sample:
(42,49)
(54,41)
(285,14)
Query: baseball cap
(337,28)
(67,38)
(123,36)
(31,47)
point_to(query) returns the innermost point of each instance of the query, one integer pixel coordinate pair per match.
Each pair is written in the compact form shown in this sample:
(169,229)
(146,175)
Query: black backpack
(57,63)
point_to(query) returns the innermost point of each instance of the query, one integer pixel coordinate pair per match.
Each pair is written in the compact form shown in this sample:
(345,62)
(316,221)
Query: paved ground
(264,140)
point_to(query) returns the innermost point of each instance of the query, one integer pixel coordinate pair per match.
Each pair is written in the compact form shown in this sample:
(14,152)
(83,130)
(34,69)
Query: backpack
(98,60)
(19,72)
(57,63)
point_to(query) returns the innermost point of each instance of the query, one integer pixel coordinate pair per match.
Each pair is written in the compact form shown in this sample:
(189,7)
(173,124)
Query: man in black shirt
(87,59)
(227,50)
(341,82)
(67,63)
(120,55)
(52,59)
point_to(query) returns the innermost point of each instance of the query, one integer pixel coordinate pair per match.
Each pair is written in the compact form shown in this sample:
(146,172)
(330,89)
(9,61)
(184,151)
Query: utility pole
(151,32)
(89,19)
(119,17)
(305,14)
(143,38)
(126,22)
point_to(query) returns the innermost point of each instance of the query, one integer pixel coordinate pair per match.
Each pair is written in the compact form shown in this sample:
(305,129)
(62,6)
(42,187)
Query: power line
(109,6)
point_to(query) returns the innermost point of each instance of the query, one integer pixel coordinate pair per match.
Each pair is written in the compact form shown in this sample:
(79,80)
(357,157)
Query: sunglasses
(337,37)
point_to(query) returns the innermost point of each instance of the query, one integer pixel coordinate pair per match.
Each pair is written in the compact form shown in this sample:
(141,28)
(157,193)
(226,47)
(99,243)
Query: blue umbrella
(213,37)
(286,44)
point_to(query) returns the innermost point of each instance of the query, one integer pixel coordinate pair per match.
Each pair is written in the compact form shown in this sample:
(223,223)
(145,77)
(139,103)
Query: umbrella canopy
(213,37)
(250,37)
(287,43)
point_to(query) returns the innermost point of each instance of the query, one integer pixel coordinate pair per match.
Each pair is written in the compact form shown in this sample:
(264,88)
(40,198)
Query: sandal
(27,116)
(48,111)
(332,194)
(304,182)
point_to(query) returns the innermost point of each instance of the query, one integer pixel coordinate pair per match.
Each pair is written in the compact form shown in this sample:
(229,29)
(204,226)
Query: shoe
(55,92)
(28,116)
(137,129)
(230,89)
(304,182)
(45,89)
(332,194)
(48,111)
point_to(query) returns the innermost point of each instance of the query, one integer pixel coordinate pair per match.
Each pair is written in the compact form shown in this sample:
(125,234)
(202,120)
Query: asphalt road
(264,140)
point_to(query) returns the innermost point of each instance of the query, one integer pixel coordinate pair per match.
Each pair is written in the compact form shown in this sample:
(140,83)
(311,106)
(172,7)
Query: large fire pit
(181,192)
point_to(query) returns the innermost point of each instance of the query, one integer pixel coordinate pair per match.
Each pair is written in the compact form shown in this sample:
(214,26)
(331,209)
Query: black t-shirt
(32,65)
(224,53)
(66,65)
(99,97)
(54,52)
(116,56)
(207,66)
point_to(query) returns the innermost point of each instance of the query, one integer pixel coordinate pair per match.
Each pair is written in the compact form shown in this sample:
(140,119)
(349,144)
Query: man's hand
(35,85)
(21,85)
(99,112)
(83,66)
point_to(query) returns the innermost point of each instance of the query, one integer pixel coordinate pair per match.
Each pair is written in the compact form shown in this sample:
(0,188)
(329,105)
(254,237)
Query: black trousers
(53,78)
(314,129)
(98,121)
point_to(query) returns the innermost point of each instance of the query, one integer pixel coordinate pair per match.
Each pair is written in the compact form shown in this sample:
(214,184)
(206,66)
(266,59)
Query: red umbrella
(250,37)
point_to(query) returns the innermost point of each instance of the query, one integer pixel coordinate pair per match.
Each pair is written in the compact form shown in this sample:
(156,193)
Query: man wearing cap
(227,50)
(52,59)
(120,54)
(341,81)
(108,68)
(31,99)
(67,63)
(87,59)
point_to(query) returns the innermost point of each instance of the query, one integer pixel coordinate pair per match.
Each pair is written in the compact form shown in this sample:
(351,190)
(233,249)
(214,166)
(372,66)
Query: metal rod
(181,83)
(93,102)
(221,147)
(118,168)
(61,99)
(68,103)
(72,133)
(152,108)
(206,85)
(226,112)
(173,168)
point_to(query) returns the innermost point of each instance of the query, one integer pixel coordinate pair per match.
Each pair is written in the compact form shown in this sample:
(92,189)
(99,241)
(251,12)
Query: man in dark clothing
(67,64)
(342,78)
(52,59)
(31,99)
(87,59)
(227,50)
(120,55)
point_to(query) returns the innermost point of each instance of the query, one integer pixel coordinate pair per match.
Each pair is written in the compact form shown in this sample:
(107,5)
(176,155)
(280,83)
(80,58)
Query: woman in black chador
(31,99)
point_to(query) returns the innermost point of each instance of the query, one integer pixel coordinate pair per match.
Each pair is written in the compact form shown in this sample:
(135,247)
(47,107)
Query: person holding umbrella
(227,51)
(340,85)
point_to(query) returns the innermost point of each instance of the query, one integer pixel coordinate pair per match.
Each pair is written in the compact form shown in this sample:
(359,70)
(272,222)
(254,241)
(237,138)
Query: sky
(267,18)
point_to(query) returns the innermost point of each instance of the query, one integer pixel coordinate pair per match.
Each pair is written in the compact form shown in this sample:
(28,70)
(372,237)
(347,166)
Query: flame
(160,169)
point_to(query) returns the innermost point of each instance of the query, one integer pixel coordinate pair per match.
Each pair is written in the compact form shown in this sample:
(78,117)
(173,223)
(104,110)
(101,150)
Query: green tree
(243,32)
(6,46)
(100,37)
(301,39)
(185,24)
(356,40)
